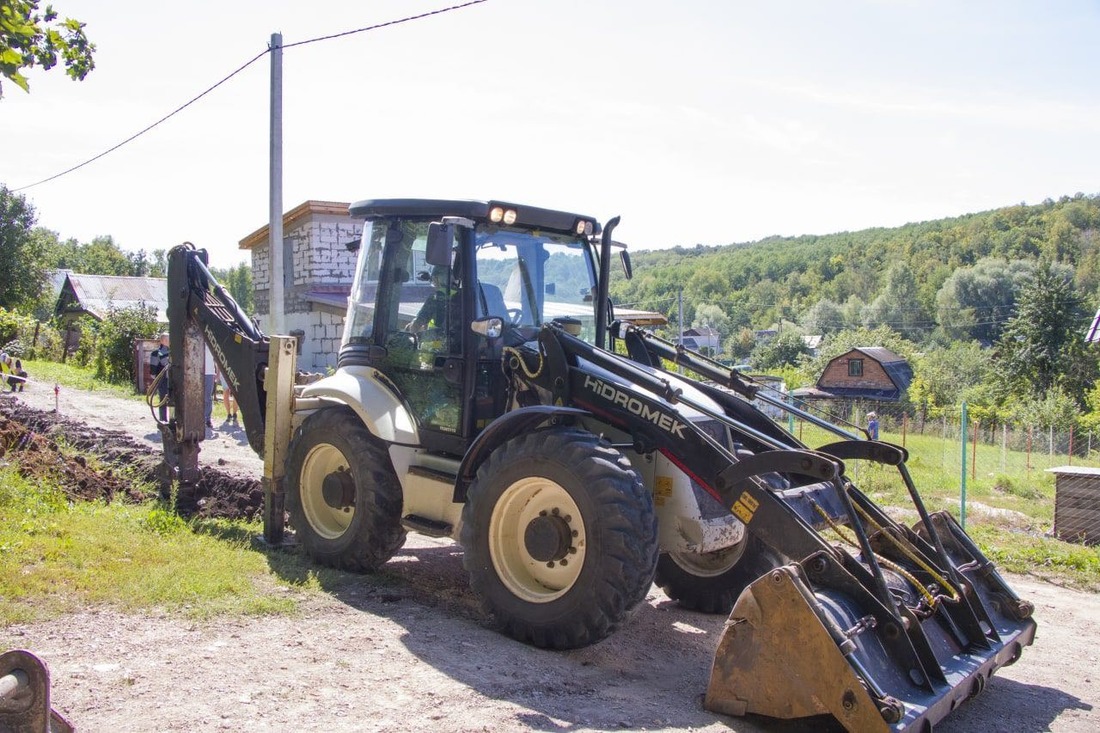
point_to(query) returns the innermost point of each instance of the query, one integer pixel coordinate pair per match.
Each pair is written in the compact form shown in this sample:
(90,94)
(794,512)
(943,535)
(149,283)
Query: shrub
(114,341)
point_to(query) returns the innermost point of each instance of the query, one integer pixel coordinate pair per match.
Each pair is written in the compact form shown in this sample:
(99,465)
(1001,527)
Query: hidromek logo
(634,405)
(230,375)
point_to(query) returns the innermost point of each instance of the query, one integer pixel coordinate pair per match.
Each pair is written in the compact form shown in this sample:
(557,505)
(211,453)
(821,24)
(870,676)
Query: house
(97,295)
(701,338)
(865,372)
(318,270)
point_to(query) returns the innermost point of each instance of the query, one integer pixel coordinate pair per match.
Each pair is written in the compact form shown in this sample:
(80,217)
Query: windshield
(530,277)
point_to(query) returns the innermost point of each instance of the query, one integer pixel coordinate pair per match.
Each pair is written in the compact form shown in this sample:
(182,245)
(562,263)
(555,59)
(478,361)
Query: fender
(502,429)
(365,390)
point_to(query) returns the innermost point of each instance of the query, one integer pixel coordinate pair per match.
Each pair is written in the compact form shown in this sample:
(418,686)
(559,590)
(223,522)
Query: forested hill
(935,277)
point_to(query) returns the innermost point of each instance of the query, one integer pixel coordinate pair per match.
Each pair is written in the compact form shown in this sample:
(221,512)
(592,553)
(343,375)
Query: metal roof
(97,294)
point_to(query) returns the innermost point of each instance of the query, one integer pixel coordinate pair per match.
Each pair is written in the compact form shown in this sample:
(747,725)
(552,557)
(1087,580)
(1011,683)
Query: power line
(136,135)
(238,70)
(386,24)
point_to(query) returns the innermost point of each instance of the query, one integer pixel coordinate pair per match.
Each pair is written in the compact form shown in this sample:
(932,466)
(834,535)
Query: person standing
(20,376)
(208,387)
(228,400)
(872,425)
(158,362)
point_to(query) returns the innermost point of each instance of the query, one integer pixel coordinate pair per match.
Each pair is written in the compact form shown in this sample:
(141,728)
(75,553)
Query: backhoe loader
(486,391)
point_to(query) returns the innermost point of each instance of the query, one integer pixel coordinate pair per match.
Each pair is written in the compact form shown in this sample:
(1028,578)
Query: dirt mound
(53,447)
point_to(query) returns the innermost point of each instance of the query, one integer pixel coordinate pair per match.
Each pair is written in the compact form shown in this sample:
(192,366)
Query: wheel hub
(548,537)
(338,490)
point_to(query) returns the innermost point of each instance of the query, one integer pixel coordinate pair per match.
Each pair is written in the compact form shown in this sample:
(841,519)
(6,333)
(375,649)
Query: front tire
(560,538)
(343,497)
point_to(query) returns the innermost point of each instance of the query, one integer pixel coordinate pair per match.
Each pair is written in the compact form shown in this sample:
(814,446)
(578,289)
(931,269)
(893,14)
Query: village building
(866,373)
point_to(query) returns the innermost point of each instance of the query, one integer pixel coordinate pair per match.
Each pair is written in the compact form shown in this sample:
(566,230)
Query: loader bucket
(807,640)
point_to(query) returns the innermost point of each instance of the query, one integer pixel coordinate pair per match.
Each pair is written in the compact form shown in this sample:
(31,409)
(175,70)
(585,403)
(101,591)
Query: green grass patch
(48,373)
(1045,557)
(57,557)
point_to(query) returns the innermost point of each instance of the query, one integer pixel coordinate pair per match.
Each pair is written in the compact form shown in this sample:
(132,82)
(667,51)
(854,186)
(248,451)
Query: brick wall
(319,259)
(836,374)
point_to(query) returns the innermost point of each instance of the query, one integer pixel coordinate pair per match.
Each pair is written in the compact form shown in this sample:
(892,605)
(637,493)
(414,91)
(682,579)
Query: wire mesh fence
(1011,472)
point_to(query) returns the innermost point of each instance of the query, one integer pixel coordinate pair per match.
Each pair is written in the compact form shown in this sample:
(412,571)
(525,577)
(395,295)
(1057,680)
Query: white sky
(698,121)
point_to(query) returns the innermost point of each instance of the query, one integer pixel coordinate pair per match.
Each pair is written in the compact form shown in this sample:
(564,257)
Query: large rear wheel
(342,495)
(560,538)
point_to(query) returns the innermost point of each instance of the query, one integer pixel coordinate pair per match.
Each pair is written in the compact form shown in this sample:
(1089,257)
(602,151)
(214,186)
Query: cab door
(420,324)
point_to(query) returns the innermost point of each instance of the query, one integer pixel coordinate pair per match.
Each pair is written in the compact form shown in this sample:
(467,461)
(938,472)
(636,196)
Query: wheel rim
(527,501)
(327,520)
(711,564)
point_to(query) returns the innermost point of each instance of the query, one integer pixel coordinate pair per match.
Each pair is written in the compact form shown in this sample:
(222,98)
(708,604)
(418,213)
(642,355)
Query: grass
(1017,539)
(57,557)
(49,373)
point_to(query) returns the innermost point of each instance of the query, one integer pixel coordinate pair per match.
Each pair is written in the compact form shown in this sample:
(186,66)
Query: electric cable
(238,70)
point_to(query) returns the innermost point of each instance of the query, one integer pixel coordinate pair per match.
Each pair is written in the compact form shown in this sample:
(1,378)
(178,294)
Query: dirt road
(408,649)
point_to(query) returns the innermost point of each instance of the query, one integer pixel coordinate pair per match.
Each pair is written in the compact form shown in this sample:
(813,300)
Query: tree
(974,302)
(238,281)
(29,39)
(898,305)
(823,317)
(21,255)
(1042,345)
(786,349)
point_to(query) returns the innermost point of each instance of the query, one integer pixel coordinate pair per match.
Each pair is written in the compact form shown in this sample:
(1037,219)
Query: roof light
(588,228)
(510,217)
(580,226)
(496,214)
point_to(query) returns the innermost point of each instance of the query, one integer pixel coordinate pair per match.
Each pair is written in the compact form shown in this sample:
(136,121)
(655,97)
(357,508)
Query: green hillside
(875,276)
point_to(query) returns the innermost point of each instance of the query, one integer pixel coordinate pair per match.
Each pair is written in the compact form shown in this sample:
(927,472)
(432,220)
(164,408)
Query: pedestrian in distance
(229,400)
(872,425)
(158,362)
(19,376)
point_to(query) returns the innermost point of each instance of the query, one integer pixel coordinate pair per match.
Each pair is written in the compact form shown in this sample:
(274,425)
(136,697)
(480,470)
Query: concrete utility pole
(276,300)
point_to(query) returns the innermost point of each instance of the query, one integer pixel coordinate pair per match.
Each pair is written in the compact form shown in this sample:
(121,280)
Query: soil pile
(53,447)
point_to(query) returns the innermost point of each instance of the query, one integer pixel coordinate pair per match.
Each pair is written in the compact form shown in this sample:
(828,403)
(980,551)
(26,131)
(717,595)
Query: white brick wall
(319,258)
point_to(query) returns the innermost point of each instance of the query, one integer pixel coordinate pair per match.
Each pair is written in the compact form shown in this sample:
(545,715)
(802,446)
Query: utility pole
(276,299)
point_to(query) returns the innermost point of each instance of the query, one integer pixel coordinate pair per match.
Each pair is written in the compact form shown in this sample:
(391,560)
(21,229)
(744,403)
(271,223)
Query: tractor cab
(443,287)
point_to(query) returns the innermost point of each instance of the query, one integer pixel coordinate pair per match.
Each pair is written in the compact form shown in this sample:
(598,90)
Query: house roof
(97,294)
(294,217)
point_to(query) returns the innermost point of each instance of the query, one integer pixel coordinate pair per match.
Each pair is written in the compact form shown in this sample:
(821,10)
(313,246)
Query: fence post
(1029,431)
(1050,444)
(974,454)
(962,495)
(1004,444)
(1071,445)
(943,440)
(904,427)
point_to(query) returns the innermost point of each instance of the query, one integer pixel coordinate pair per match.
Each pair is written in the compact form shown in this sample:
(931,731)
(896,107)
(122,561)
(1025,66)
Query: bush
(25,337)
(114,341)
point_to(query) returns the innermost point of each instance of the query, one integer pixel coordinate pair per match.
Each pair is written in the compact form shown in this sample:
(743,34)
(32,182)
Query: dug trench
(89,463)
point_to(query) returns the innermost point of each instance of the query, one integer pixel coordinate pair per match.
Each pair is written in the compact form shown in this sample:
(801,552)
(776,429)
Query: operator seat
(492,302)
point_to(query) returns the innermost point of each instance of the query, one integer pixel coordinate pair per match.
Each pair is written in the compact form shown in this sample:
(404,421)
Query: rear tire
(560,538)
(711,583)
(342,495)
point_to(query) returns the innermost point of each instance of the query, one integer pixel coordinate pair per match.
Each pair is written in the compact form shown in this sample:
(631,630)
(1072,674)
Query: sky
(699,122)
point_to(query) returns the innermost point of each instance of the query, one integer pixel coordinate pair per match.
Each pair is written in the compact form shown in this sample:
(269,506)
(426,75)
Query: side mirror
(440,239)
(624,259)
(490,327)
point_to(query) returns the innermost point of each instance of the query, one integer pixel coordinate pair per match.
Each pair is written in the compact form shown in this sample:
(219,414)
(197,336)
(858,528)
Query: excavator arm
(202,314)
